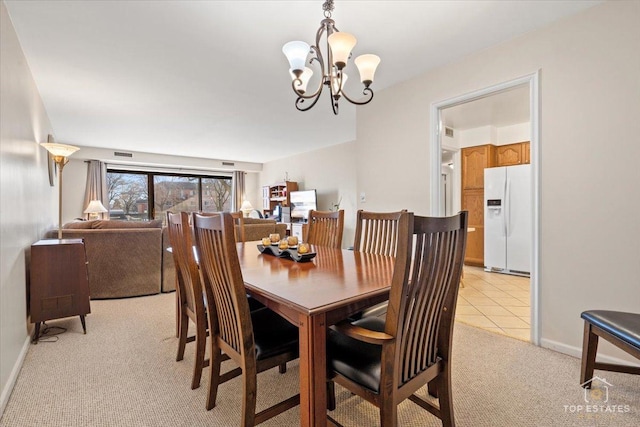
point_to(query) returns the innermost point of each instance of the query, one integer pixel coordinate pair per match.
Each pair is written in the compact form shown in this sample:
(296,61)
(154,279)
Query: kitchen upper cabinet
(474,161)
(512,154)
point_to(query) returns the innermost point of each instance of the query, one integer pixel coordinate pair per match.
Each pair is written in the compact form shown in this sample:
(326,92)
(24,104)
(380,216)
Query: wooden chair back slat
(326,228)
(376,232)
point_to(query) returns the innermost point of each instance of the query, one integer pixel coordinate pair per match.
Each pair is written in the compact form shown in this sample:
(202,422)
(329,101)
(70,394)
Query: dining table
(314,295)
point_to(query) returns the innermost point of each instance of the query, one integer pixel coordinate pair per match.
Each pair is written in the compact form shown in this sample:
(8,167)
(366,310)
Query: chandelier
(338,52)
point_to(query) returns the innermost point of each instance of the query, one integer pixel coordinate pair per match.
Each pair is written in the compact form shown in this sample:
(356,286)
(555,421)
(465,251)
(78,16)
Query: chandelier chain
(328,7)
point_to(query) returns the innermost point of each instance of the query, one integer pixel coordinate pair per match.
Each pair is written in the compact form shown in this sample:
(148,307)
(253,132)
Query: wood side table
(59,281)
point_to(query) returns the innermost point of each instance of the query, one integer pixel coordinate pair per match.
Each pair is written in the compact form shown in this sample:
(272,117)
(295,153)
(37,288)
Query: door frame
(533,80)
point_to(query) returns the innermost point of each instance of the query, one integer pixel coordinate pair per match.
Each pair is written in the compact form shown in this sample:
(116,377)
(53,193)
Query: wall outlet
(363,199)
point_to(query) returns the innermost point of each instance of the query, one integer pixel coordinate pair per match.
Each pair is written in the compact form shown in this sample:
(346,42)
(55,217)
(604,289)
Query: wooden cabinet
(474,160)
(277,194)
(512,154)
(473,202)
(59,281)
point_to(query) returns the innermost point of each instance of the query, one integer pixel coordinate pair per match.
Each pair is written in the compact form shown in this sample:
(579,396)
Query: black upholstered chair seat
(272,334)
(624,326)
(359,361)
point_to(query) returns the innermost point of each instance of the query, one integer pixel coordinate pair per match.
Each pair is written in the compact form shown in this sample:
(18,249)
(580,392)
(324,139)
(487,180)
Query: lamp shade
(304,79)
(59,150)
(246,208)
(337,85)
(367,65)
(341,45)
(296,52)
(95,206)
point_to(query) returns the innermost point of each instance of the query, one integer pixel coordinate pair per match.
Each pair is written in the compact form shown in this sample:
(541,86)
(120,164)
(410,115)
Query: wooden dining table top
(334,277)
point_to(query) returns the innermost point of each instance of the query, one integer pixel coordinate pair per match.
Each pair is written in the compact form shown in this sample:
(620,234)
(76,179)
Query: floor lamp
(60,153)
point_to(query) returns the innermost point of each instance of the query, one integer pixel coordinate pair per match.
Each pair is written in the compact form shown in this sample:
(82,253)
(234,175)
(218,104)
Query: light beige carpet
(124,373)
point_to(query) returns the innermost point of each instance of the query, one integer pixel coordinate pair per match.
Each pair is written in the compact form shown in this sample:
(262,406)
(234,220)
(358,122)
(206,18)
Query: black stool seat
(624,326)
(620,329)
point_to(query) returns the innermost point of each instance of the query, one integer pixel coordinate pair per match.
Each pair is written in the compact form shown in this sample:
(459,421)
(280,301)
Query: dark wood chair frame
(417,339)
(590,349)
(190,299)
(230,318)
(326,228)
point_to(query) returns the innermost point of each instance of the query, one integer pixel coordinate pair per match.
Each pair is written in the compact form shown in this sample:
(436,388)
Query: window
(131,194)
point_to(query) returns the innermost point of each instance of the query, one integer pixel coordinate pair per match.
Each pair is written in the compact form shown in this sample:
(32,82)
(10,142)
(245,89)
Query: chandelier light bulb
(296,52)
(341,46)
(367,65)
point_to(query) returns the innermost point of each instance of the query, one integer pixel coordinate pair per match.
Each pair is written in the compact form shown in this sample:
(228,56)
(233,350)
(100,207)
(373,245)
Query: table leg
(313,375)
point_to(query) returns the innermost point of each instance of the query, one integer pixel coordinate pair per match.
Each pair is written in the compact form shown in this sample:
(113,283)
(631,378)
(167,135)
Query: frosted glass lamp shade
(367,65)
(341,45)
(59,150)
(304,79)
(296,52)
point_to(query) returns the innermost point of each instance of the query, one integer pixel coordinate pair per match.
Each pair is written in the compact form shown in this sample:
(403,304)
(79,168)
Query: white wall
(496,135)
(514,133)
(27,202)
(330,171)
(590,100)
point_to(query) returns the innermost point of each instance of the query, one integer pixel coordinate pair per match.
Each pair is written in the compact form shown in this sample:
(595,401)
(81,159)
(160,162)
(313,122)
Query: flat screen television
(301,203)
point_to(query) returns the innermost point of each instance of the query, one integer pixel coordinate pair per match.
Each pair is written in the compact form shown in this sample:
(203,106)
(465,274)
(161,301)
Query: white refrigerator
(507,219)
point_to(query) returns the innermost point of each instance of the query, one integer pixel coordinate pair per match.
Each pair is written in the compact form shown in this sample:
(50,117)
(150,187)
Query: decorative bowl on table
(286,253)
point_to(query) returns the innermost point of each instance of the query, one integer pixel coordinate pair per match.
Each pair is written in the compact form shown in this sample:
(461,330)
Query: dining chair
(238,225)
(191,304)
(386,360)
(376,233)
(325,228)
(257,340)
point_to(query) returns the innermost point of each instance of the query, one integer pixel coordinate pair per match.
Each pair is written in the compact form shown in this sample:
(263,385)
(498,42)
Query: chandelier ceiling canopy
(332,63)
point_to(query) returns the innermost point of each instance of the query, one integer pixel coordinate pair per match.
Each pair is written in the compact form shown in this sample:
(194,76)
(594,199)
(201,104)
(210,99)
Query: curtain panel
(96,185)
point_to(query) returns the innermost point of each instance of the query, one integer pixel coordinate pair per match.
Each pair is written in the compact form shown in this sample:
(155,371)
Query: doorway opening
(486,289)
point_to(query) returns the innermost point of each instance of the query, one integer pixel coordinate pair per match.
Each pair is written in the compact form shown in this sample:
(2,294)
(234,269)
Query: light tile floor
(495,302)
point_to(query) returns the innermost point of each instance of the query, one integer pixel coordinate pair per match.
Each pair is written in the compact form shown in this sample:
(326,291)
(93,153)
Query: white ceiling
(208,78)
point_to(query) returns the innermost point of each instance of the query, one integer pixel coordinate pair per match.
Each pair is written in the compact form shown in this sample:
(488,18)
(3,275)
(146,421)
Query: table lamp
(60,153)
(94,209)
(246,208)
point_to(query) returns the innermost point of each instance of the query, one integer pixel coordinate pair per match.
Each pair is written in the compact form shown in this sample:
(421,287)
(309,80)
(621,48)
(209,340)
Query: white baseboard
(8,388)
(577,352)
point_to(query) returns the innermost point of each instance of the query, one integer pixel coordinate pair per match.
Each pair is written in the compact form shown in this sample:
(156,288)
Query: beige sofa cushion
(102,224)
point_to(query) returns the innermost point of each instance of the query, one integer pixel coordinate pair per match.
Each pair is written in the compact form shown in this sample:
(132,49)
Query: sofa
(256,229)
(125,258)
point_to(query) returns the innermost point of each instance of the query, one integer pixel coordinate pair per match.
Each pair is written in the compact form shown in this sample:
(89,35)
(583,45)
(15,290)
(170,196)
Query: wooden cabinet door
(474,160)
(509,155)
(473,202)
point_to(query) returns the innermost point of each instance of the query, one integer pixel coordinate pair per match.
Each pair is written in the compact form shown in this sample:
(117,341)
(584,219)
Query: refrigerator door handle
(507,207)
